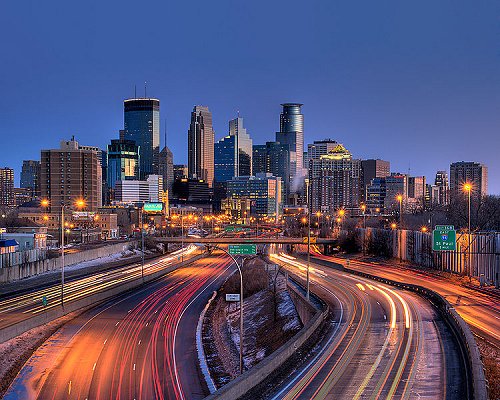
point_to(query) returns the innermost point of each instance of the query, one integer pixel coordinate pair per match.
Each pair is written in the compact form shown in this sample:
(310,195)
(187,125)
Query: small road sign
(232,297)
(444,238)
(45,301)
(238,249)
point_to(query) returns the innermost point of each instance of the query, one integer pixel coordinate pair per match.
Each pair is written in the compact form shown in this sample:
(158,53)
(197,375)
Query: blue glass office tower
(122,161)
(142,125)
(292,134)
(224,156)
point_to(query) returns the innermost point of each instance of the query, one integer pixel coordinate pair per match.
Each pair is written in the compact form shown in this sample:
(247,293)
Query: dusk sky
(415,83)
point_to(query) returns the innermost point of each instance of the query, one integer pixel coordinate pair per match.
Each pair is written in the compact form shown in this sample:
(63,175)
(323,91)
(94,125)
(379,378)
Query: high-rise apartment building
(122,161)
(30,176)
(317,149)
(335,181)
(70,173)
(7,187)
(201,145)
(375,169)
(292,134)
(442,195)
(468,172)
(142,125)
(167,169)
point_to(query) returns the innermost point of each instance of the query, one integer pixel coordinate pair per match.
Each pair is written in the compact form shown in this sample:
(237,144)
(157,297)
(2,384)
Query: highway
(479,310)
(382,343)
(25,306)
(138,346)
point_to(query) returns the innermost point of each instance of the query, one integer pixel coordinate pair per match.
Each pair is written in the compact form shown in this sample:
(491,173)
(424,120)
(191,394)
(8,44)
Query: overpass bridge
(327,244)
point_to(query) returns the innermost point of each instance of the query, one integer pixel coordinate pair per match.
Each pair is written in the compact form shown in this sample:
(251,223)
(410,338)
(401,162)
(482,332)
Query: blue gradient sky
(416,83)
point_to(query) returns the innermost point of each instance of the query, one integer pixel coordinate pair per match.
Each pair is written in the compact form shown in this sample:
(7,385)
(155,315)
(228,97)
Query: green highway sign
(153,207)
(444,238)
(238,249)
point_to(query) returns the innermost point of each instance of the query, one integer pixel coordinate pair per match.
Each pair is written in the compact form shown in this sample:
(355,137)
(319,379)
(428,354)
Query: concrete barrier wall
(18,328)
(304,308)
(242,384)
(457,324)
(13,273)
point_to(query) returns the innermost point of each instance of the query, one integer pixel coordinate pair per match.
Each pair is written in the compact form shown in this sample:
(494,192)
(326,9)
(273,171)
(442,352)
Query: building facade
(263,191)
(335,181)
(468,172)
(292,134)
(201,145)
(122,161)
(30,176)
(7,197)
(70,173)
(142,125)
(167,169)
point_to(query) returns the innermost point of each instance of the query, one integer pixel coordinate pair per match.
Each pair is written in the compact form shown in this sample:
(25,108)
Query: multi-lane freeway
(384,343)
(141,346)
(381,342)
(24,306)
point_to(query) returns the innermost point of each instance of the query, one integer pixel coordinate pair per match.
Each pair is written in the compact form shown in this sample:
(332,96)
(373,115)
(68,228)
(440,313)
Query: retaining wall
(242,384)
(18,328)
(25,270)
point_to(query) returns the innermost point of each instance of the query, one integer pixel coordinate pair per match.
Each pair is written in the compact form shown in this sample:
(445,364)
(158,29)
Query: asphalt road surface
(383,343)
(138,346)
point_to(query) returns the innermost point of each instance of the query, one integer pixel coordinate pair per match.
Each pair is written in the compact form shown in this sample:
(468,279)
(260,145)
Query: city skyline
(431,95)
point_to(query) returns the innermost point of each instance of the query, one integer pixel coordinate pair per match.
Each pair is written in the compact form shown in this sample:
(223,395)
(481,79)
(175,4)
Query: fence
(476,255)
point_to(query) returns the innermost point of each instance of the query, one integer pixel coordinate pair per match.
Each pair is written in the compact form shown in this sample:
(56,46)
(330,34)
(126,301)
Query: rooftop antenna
(145,90)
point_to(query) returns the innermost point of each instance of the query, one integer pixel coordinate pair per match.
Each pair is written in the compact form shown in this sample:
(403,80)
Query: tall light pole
(241,304)
(468,190)
(308,237)
(80,203)
(363,208)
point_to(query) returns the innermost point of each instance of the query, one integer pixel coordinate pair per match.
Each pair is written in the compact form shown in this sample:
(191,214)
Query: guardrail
(457,324)
(255,375)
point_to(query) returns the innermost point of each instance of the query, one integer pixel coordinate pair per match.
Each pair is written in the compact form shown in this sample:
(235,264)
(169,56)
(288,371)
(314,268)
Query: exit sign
(240,249)
(444,238)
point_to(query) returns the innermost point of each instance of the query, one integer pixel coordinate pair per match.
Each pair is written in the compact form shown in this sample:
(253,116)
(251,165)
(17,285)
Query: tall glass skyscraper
(292,133)
(142,125)
(201,145)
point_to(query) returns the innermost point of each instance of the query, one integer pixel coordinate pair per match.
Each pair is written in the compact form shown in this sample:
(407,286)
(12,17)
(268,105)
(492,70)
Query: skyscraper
(292,134)
(142,125)
(442,195)
(375,169)
(30,176)
(336,181)
(167,169)
(7,187)
(468,172)
(201,145)
(243,155)
(70,173)
(233,153)
(123,161)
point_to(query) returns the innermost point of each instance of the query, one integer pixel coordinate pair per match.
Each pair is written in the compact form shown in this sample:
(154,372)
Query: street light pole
(308,240)
(241,305)
(62,255)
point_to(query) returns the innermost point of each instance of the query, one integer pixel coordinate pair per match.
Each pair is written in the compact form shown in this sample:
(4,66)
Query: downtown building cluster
(232,176)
